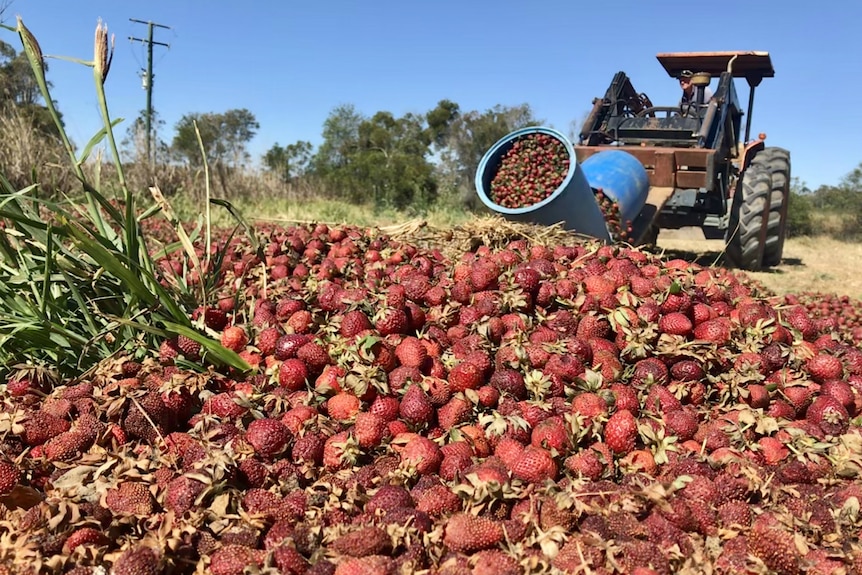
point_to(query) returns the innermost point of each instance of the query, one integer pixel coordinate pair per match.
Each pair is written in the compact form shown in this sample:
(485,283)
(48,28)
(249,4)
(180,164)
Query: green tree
(225,137)
(469,136)
(19,92)
(288,162)
(381,159)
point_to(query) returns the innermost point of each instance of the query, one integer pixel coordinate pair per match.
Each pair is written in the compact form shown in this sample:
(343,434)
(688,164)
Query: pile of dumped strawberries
(516,409)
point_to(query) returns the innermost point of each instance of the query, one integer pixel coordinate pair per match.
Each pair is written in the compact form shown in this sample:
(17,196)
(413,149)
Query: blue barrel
(573,203)
(621,177)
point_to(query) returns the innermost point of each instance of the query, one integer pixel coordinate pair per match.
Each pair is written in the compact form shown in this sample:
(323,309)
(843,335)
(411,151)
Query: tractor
(678,166)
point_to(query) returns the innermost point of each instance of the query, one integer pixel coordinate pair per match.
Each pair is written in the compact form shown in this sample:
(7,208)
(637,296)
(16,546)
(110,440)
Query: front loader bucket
(573,203)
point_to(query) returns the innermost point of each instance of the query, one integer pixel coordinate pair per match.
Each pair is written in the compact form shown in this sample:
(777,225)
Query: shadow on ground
(716,258)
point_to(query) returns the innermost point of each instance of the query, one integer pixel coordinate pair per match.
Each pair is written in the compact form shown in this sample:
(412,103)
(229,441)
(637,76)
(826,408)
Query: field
(810,264)
(339,390)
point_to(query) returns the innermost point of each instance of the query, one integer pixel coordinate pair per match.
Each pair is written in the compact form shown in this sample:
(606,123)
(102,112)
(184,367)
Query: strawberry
(675,323)
(465,533)
(829,414)
(368,565)
(190,348)
(233,559)
(774,545)
(287,345)
(181,493)
(234,338)
(823,367)
(687,370)
(422,454)
(551,434)
(84,536)
(267,340)
(773,450)
(40,426)
(465,375)
(416,407)
(130,497)
(535,465)
(389,497)
(621,431)
(268,437)
(649,371)
(391,320)
(9,476)
(215,318)
(289,561)
(140,560)
(438,500)
(716,330)
(292,374)
(411,352)
(457,410)
(343,406)
(494,562)
(315,357)
(370,429)
(370,540)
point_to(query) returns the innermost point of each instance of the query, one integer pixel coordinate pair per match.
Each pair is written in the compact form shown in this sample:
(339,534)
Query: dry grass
(810,264)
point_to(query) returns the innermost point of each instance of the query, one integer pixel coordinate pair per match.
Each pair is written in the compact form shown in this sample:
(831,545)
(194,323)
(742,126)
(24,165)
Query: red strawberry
(140,560)
(370,429)
(773,450)
(465,533)
(233,559)
(828,413)
(84,536)
(268,437)
(716,330)
(292,374)
(456,410)
(365,541)
(288,344)
(314,355)
(535,465)
(823,367)
(774,545)
(438,500)
(9,476)
(675,323)
(368,565)
(343,406)
(267,340)
(621,431)
(234,338)
(130,497)
(391,320)
(416,407)
(423,454)
(411,352)
(181,493)
(465,375)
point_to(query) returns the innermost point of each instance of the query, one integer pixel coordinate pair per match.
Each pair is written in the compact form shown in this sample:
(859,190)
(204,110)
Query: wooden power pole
(148,79)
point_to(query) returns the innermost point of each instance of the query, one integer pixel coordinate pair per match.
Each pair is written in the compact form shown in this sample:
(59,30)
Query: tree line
(415,160)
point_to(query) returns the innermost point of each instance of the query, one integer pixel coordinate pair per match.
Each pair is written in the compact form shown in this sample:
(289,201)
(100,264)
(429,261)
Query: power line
(148,77)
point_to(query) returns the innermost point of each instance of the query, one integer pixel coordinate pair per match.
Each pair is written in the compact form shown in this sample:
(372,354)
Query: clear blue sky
(291,63)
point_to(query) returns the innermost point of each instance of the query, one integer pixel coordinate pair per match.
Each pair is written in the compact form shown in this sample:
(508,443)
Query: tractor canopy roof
(750,65)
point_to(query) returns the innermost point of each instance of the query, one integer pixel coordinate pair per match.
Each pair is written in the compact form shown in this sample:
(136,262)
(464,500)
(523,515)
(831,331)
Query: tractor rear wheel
(777,162)
(744,246)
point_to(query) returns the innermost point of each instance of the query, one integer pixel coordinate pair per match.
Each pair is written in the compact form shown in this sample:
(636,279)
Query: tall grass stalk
(77,288)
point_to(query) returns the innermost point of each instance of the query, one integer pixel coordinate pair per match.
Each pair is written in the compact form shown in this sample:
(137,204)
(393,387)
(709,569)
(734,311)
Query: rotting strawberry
(140,560)
(10,474)
(234,338)
(84,536)
(621,431)
(465,533)
(268,437)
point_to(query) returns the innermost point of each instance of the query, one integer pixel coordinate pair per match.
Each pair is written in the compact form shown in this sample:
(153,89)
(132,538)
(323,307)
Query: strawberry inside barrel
(530,171)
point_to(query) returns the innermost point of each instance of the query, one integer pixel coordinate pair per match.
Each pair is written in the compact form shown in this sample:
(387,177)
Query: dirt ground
(822,265)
